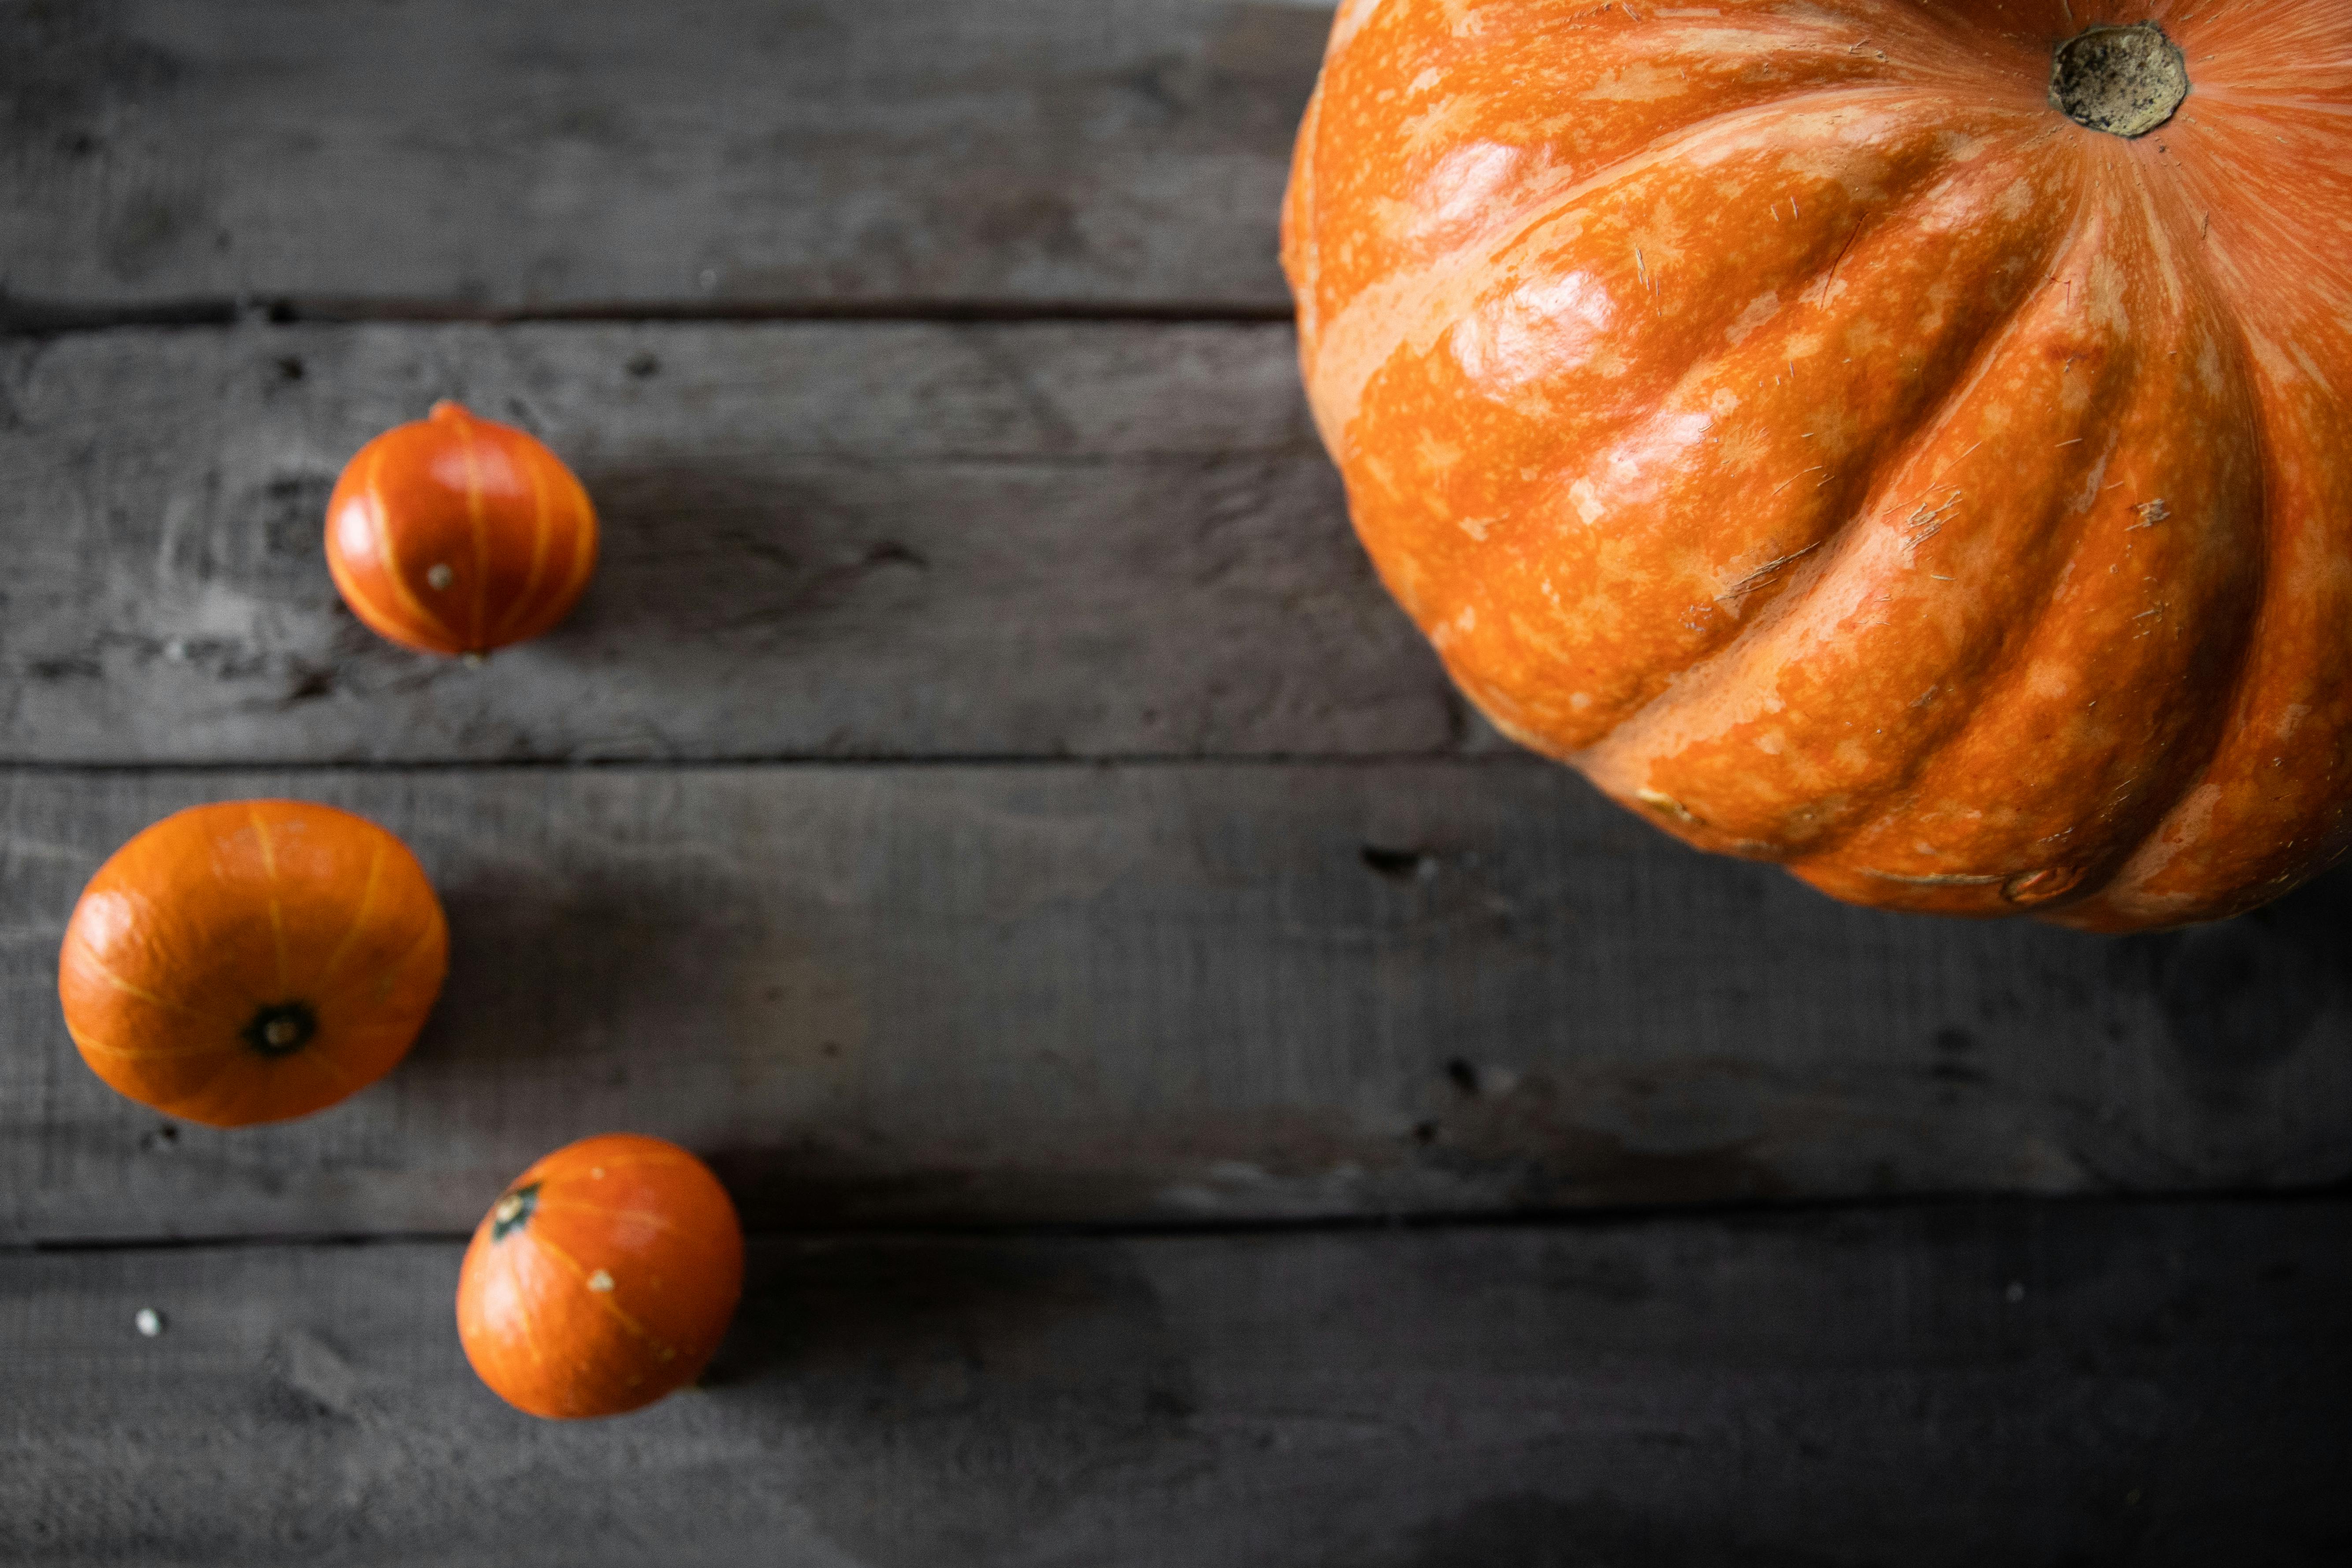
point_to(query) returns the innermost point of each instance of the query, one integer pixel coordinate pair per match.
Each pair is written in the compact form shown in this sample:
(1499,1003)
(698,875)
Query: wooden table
(1200,1097)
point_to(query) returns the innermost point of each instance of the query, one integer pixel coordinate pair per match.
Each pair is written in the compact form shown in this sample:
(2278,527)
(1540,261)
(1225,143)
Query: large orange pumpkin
(456,535)
(1905,441)
(252,961)
(601,1279)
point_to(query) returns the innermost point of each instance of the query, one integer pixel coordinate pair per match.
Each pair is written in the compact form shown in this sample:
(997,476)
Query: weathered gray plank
(546,154)
(1093,992)
(819,539)
(2147,1384)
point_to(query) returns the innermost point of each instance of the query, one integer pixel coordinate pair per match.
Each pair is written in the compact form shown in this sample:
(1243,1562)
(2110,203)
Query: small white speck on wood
(600,1282)
(149,1322)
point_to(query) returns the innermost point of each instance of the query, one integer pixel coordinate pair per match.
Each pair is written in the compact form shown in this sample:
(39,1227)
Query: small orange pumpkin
(252,961)
(601,1279)
(452,534)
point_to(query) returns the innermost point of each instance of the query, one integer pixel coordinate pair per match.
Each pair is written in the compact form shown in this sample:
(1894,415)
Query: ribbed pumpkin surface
(1788,416)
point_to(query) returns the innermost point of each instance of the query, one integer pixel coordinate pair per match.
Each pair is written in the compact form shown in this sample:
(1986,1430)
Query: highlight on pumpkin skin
(251,960)
(454,534)
(601,1279)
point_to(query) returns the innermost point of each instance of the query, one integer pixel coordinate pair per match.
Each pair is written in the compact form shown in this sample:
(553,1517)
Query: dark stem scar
(281,1029)
(513,1211)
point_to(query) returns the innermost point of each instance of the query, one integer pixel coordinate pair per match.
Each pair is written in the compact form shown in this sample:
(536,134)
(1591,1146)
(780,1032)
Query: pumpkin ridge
(211,1107)
(644,1216)
(1930,879)
(2267,808)
(603,1299)
(524,1300)
(1784,596)
(380,523)
(1907,431)
(514,613)
(1422,294)
(650,1160)
(347,584)
(2239,98)
(469,443)
(2232,713)
(330,1084)
(1986,683)
(276,907)
(391,972)
(1884,439)
(359,919)
(1789,54)
(147,1053)
(543,616)
(2173,204)
(107,974)
(2187,758)
(2277,231)
(585,539)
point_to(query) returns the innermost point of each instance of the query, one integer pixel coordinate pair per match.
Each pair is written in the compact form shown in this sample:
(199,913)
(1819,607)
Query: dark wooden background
(1201,1097)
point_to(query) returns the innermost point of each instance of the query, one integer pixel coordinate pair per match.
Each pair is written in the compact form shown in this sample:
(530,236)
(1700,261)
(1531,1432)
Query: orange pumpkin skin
(601,1279)
(252,961)
(1787,416)
(452,534)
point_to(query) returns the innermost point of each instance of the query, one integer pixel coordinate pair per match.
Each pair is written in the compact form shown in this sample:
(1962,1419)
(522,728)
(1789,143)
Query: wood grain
(1105,994)
(729,153)
(819,540)
(2147,1383)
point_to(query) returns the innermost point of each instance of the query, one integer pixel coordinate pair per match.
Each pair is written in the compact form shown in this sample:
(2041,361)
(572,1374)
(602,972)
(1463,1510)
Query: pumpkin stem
(512,1211)
(2125,81)
(281,1029)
